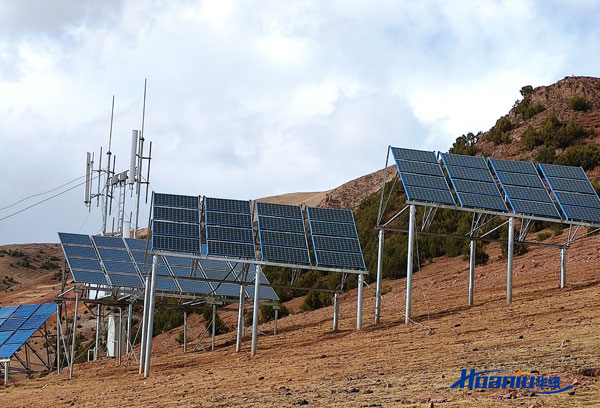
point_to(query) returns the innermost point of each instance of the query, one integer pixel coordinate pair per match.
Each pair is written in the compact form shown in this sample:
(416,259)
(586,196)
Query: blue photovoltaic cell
(120,267)
(46,309)
(34,322)
(519,179)
(226,289)
(176,215)
(346,259)
(13,323)
(568,172)
(429,195)
(194,286)
(168,284)
(578,186)
(534,207)
(76,239)
(141,257)
(181,271)
(336,244)
(137,244)
(279,210)
(576,199)
(128,281)
(333,228)
(526,193)
(25,310)
(234,249)
(90,264)
(207,264)
(176,244)
(4,336)
(20,337)
(281,224)
(226,205)
(413,155)
(220,274)
(581,213)
(176,229)
(330,214)
(72,251)
(218,233)
(175,260)
(286,239)
(89,277)
(285,254)
(431,169)
(114,255)
(229,219)
(2,321)
(470,173)
(109,242)
(460,160)
(419,180)
(483,201)
(174,200)
(513,166)
(7,350)
(476,187)
(266,292)
(7,311)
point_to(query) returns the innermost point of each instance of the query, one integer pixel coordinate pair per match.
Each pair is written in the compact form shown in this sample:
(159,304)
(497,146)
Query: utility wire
(40,194)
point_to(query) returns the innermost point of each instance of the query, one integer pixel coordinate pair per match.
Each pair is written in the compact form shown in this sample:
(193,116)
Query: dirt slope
(545,330)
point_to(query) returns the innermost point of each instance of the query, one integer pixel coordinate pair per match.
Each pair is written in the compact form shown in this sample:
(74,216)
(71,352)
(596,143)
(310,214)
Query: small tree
(578,103)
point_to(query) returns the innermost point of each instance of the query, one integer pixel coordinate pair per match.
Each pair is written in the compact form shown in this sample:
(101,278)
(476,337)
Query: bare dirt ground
(545,330)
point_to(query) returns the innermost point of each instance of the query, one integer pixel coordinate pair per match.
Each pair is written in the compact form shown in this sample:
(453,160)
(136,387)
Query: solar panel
(279,210)
(432,169)
(234,249)
(281,224)
(4,336)
(226,205)
(176,215)
(535,208)
(266,292)
(13,323)
(25,310)
(229,219)
(136,244)
(519,179)
(215,265)
(46,309)
(176,229)
(7,350)
(286,239)
(141,257)
(217,233)
(513,166)
(226,289)
(191,286)
(114,255)
(285,254)
(470,173)
(578,186)
(7,311)
(482,201)
(128,281)
(174,200)
(19,337)
(332,228)
(175,260)
(109,242)
(120,267)
(413,155)
(89,277)
(476,187)
(576,199)
(420,180)
(89,264)
(429,195)
(2,321)
(175,244)
(181,271)
(568,172)
(331,214)
(336,244)
(168,284)
(75,239)
(460,160)
(73,251)
(347,259)
(582,213)
(34,322)
(526,193)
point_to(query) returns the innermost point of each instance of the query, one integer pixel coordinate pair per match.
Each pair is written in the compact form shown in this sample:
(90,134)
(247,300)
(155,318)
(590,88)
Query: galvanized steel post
(409,261)
(150,318)
(509,269)
(471,271)
(379,277)
(255,310)
(563,267)
(359,302)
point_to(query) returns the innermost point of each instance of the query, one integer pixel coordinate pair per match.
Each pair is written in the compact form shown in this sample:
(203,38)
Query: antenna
(88,179)
(108,153)
(134,144)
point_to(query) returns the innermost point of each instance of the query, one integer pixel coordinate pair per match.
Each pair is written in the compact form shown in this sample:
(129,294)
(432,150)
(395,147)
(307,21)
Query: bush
(24,263)
(578,103)
(553,133)
(586,156)
(315,300)
(499,133)
(165,320)
(267,313)
(525,108)
(49,265)
(220,327)
(546,154)
(542,236)
(480,256)
(465,144)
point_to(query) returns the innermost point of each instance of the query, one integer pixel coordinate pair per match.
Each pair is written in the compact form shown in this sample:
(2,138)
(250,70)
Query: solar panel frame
(109,254)
(513,166)
(124,280)
(126,268)
(177,229)
(25,310)
(279,210)
(74,239)
(7,350)
(7,311)
(81,276)
(176,201)
(229,234)
(401,153)
(85,264)
(75,251)
(281,224)
(212,204)
(232,249)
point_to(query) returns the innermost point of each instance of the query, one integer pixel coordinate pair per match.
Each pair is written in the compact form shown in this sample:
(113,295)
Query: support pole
(509,269)
(214,327)
(144,317)
(563,267)
(336,310)
(255,310)
(6,368)
(240,322)
(120,342)
(409,261)
(471,272)
(58,334)
(185,331)
(97,344)
(275,322)
(74,335)
(129,316)
(359,303)
(150,319)
(379,277)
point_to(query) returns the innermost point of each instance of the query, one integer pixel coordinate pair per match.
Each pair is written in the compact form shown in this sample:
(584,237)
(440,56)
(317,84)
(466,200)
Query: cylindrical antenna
(99,178)
(134,144)
(112,183)
(144,108)
(88,179)
(112,114)
(148,177)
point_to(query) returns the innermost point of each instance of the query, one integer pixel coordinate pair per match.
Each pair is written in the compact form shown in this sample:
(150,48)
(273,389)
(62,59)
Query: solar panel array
(422,176)
(574,193)
(524,188)
(334,237)
(176,223)
(473,182)
(124,263)
(229,229)
(281,232)
(19,323)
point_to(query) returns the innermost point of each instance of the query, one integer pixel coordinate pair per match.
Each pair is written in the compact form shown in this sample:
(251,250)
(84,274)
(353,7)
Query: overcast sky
(251,99)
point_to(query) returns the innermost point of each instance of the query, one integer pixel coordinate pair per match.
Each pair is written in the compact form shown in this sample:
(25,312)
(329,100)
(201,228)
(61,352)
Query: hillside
(546,330)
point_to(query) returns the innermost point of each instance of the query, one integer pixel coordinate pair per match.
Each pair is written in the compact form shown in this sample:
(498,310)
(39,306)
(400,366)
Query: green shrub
(267,313)
(49,265)
(553,133)
(499,133)
(546,154)
(465,144)
(525,109)
(481,257)
(586,156)
(315,300)
(220,327)
(578,103)
(542,236)
(165,320)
